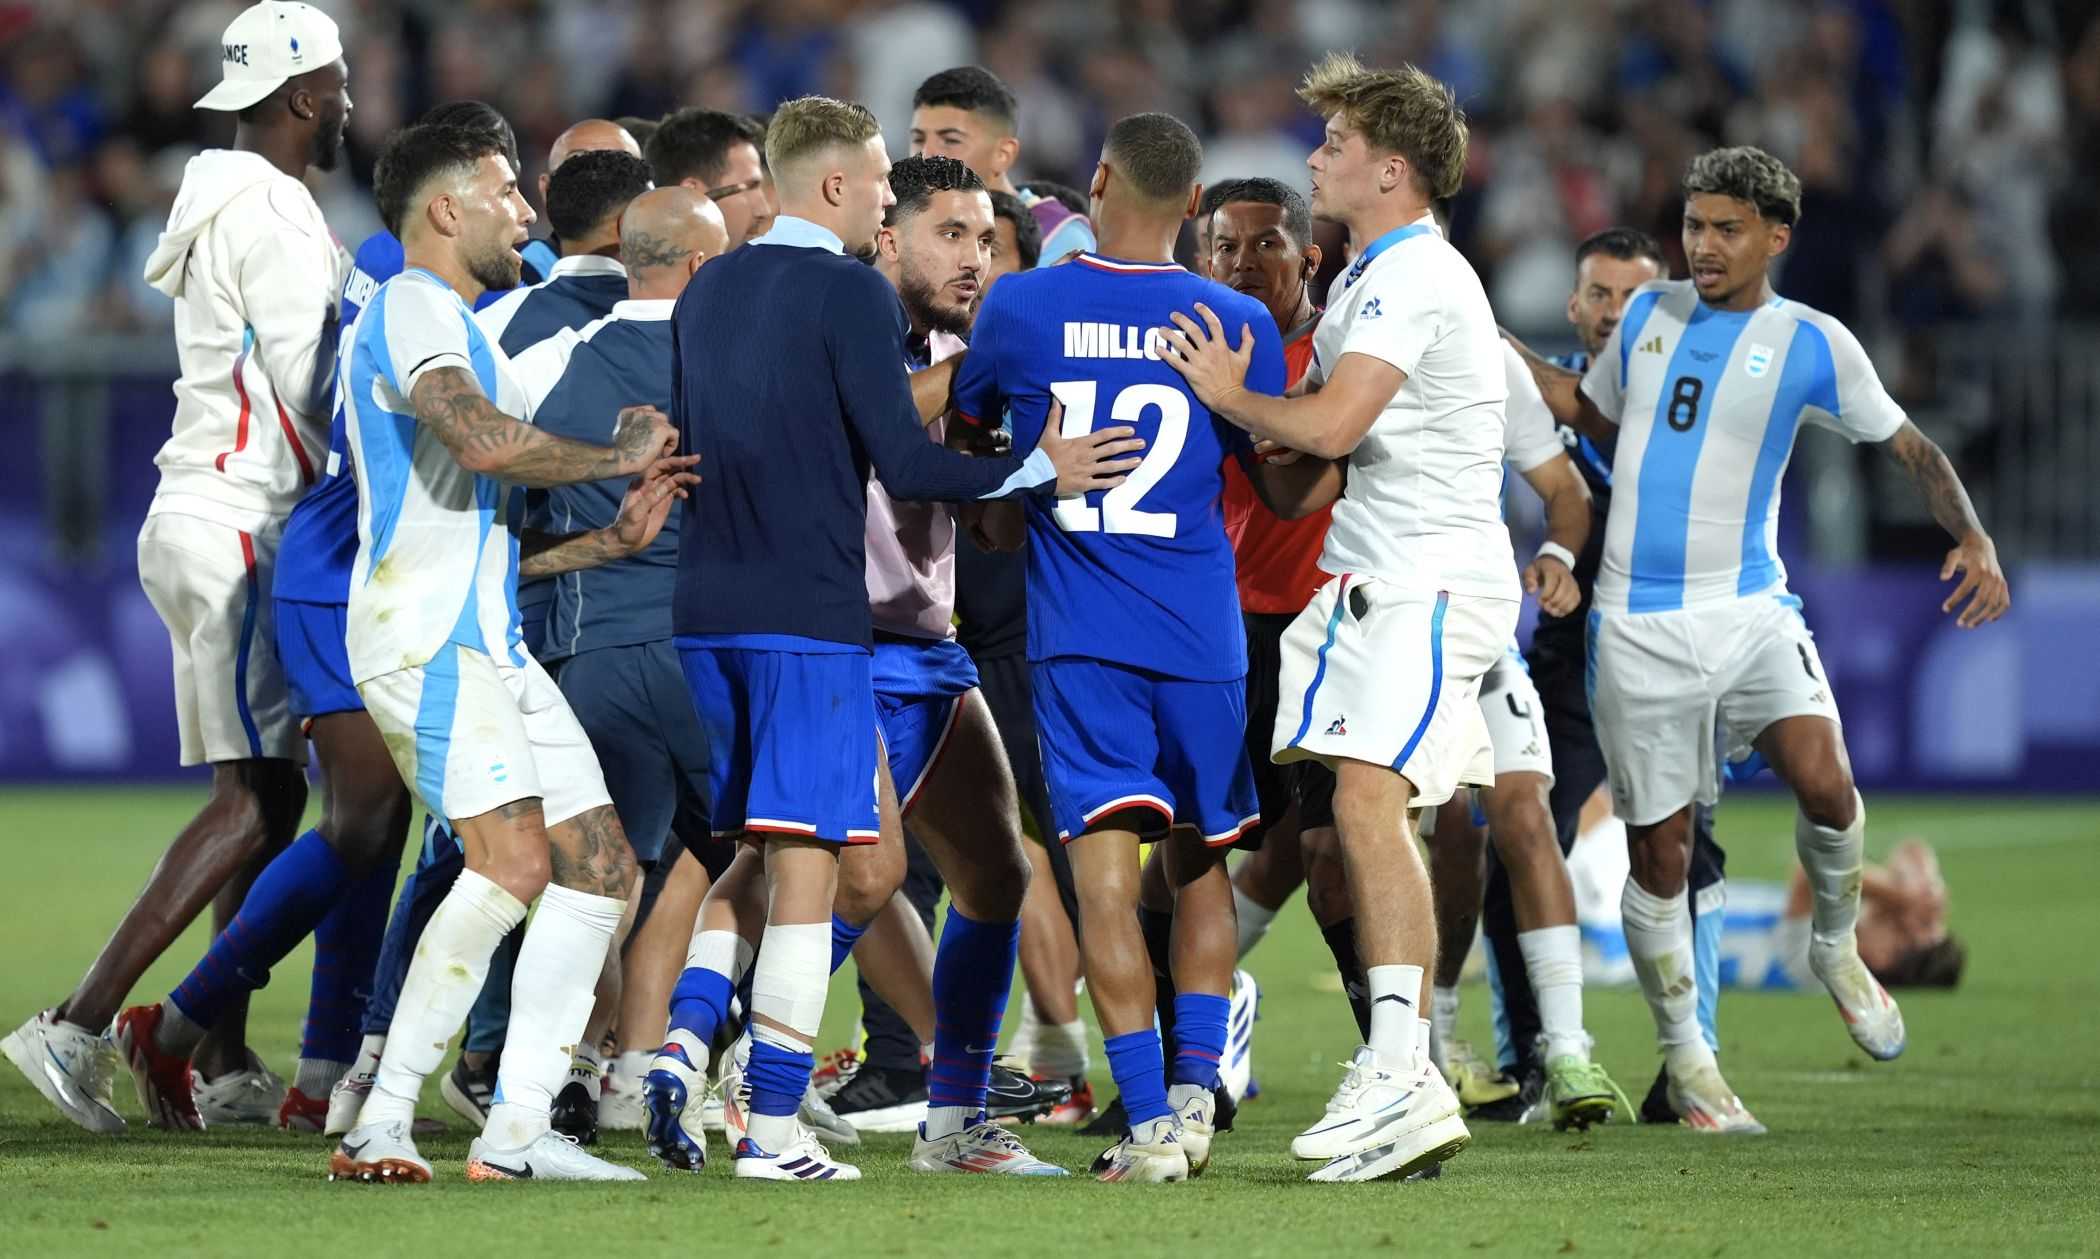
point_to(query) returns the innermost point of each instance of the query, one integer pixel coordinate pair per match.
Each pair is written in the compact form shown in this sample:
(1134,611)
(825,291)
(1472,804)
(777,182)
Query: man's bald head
(665,236)
(592,135)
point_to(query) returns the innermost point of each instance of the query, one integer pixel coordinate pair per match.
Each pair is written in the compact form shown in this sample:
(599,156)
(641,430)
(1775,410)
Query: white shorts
(1516,720)
(211,585)
(1389,675)
(469,735)
(1676,693)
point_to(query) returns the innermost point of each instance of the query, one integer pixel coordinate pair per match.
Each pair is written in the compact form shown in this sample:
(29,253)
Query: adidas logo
(1653,345)
(1339,725)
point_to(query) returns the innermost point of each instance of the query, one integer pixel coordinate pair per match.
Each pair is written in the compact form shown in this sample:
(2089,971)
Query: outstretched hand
(1983,583)
(1214,369)
(647,503)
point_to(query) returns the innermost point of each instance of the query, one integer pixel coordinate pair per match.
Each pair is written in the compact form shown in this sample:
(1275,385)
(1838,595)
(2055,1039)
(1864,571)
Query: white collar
(800,233)
(644,309)
(586,264)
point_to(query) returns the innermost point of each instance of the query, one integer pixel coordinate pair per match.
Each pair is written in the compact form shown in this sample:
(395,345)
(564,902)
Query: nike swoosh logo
(981,1049)
(515,1173)
(354,1150)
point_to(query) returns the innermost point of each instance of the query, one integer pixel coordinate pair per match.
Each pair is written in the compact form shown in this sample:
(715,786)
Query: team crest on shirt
(1339,725)
(1371,310)
(1759,360)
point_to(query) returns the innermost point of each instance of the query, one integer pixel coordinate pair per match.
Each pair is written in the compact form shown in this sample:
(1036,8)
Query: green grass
(1985,1136)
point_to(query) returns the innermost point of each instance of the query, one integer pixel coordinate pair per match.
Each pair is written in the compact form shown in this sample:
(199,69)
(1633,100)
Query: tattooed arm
(643,511)
(1974,555)
(485,440)
(1562,389)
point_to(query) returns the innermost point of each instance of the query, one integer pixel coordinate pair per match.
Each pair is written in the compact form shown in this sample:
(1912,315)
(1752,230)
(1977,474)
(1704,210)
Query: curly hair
(915,179)
(1404,111)
(1747,174)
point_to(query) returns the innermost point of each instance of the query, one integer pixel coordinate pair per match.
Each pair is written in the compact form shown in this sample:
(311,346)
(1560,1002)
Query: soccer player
(1609,267)
(1381,673)
(337,880)
(1139,658)
(969,114)
(585,197)
(609,627)
(473,722)
(790,383)
(254,273)
(717,155)
(1699,650)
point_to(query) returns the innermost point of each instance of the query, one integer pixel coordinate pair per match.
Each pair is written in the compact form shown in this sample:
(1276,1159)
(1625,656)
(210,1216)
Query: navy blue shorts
(633,703)
(919,685)
(310,643)
(1116,738)
(790,737)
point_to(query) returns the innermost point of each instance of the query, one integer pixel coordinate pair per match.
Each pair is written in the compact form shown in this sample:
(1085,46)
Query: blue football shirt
(1141,574)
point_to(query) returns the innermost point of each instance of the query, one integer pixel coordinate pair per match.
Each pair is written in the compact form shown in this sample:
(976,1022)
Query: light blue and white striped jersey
(435,562)
(1708,402)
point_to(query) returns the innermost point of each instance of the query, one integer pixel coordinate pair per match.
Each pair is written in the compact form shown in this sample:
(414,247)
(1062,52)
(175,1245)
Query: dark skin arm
(1564,397)
(930,389)
(1975,556)
(1294,485)
(449,401)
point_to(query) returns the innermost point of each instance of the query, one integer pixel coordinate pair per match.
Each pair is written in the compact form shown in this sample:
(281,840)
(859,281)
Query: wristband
(1556,551)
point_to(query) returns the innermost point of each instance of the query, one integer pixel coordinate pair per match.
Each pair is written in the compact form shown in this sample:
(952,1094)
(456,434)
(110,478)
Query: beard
(328,145)
(497,269)
(922,301)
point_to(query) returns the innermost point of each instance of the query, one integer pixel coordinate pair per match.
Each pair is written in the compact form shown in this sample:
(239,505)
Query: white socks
(317,1077)
(1254,920)
(551,998)
(451,960)
(788,988)
(1659,939)
(1832,859)
(1553,960)
(1443,1022)
(1060,1051)
(1396,1023)
(723,952)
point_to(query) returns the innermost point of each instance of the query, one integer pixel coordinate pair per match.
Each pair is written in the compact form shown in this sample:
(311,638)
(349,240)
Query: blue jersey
(320,538)
(1142,574)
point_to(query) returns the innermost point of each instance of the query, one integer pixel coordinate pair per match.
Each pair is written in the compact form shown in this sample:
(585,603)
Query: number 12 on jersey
(1119,511)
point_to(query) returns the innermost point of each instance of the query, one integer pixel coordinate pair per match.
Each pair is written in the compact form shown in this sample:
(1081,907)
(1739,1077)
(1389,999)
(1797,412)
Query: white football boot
(379,1154)
(1384,1123)
(1149,1155)
(1236,1067)
(1703,1100)
(1870,1013)
(550,1156)
(72,1067)
(1196,1114)
(252,1095)
(983,1149)
(805,1158)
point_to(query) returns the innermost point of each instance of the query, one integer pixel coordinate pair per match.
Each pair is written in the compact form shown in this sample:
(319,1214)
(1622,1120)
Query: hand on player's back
(640,435)
(1098,460)
(1214,367)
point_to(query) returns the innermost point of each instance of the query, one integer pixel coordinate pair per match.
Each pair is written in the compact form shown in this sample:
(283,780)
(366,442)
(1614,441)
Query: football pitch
(1984,1136)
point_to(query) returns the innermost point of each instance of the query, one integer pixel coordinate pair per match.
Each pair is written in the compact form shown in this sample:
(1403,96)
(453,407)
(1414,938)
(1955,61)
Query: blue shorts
(919,685)
(633,704)
(790,736)
(310,639)
(1115,738)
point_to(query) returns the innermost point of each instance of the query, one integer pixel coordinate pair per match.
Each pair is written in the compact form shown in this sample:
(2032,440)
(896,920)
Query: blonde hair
(1403,111)
(810,124)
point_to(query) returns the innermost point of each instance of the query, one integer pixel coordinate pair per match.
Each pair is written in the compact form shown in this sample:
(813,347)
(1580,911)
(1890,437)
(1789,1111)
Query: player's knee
(523,874)
(993,887)
(367,823)
(864,888)
(1661,861)
(1520,822)
(1828,797)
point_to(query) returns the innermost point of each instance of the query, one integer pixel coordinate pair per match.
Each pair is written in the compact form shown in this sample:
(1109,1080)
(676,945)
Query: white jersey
(1423,507)
(1708,402)
(436,561)
(254,272)
(1531,436)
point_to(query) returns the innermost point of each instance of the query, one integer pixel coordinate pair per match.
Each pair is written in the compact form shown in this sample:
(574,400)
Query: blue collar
(1363,261)
(801,234)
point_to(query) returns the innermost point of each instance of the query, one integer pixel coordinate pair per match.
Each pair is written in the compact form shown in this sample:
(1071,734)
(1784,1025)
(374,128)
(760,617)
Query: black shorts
(1308,784)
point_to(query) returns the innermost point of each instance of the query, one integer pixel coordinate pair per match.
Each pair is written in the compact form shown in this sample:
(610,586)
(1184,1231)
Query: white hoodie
(254,272)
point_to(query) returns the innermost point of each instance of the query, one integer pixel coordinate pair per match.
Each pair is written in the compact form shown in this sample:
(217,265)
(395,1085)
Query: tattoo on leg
(598,860)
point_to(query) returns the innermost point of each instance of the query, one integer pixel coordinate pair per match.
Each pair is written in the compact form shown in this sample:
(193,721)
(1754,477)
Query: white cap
(268,44)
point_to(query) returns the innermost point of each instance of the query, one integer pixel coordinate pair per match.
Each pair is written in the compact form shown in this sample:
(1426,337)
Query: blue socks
(1199,1037)
(777,1076)
(1141,1076)
(346,951)
(844,935)
(427,886)
(973,969)
(289,899)
(699,1004)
